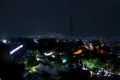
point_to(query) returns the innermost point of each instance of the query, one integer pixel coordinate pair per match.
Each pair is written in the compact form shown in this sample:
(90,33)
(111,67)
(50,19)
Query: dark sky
(91,17)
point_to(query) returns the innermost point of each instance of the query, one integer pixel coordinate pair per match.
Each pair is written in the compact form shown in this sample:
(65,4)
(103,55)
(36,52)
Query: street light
(4,41)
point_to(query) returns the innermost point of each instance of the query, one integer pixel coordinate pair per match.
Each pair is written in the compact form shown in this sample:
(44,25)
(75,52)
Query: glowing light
(35,41)
(38,59)
(98,73)
(91,46)
(16,49)
(97,47)
(33,70)
(102,52)
(4,41)
(48,54)
(119,74)
(91,73)
(79,51)
(53,56)
(57,41)
(87,47)
(64,60)
(84,68)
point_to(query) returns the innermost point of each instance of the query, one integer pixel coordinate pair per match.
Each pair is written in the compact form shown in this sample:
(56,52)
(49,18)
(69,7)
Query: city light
(16,49)
(4,41)
(64,60)
(94,61)
(35,41)
(48,54)
(79,51)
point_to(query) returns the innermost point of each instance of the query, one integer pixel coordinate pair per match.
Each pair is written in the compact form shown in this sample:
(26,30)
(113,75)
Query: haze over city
(90,17)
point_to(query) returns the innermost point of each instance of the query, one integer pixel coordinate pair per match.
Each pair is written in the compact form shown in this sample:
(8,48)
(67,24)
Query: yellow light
(91,73)
(103,52)
(79,51)
(86,46)
(97,47)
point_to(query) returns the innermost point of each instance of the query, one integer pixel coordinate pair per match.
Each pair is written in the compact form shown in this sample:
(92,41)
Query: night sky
(31,17)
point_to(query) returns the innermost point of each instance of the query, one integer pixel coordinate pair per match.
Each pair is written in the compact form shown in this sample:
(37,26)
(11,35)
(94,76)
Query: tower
(71,27)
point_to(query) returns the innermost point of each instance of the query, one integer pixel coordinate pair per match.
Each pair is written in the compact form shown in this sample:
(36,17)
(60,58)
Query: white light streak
(16,49)
(48,54)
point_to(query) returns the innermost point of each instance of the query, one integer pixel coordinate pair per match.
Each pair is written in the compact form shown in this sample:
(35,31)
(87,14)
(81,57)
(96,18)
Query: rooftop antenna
(71,27)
